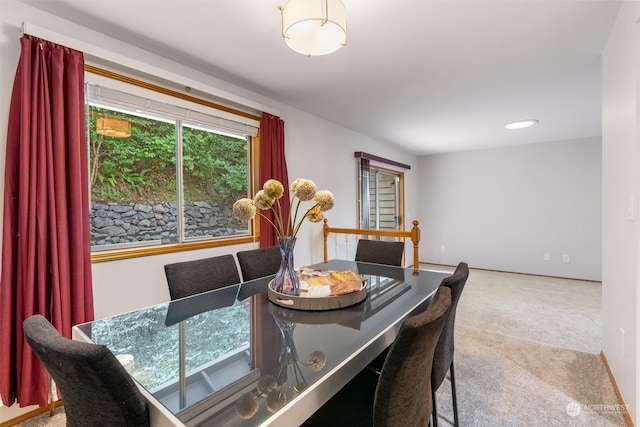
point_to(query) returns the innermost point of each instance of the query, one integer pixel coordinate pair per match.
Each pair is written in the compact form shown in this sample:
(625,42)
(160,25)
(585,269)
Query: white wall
(503,209)
(324,152)
(620,173)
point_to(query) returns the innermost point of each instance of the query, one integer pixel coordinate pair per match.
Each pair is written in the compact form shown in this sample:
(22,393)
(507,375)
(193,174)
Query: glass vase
(289,377)
(286,280)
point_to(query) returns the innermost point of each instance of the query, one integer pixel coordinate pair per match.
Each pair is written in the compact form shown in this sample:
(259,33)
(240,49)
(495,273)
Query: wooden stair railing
(414,235)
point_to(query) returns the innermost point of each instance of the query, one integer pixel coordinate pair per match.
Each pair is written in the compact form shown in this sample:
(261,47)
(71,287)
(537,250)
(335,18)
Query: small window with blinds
(164,171)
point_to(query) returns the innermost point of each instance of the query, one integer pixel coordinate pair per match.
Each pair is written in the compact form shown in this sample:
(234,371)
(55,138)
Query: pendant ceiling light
(314,27)
(114,127)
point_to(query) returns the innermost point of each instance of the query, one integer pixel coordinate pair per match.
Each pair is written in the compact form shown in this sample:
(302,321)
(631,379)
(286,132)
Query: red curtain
(273,165)
(46,259)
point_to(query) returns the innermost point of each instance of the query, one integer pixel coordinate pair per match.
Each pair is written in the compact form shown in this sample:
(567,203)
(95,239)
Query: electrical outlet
(566,258)
(547,256)
(442,249)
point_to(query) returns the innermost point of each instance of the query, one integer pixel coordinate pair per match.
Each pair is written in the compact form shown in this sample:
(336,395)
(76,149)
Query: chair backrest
(380,252)
(202,275)
(402,395)
(443,357)
(95,387)
(259,262)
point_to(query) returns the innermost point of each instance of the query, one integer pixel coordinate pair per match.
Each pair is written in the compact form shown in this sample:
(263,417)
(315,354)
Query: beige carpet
(57,420)
(527,355)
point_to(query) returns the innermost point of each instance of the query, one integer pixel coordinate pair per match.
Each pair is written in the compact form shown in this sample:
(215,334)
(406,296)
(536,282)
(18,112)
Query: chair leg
(453,396)
(434,414)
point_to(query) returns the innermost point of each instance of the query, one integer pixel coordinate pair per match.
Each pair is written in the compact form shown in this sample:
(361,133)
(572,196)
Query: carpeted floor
(57,420)
(527,355)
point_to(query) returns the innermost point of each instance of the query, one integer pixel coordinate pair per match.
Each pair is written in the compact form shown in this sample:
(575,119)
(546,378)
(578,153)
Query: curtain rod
(363,155)
(112,56)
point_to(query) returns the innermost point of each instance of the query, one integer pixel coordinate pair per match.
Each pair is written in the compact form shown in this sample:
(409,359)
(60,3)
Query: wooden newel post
(415,238)
(325,233)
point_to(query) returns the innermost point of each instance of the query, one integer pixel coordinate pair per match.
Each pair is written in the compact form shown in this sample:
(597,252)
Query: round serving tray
(317,317)
(318,303)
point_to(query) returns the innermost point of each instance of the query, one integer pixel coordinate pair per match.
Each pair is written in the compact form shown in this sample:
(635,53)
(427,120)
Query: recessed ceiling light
(521,124)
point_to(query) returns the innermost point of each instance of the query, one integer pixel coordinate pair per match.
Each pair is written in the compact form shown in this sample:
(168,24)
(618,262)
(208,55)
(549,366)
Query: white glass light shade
(314,27)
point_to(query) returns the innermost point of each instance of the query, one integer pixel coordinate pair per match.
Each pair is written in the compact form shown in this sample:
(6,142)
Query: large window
(164,171)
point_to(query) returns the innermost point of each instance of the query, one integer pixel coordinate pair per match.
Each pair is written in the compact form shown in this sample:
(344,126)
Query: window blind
(216,119)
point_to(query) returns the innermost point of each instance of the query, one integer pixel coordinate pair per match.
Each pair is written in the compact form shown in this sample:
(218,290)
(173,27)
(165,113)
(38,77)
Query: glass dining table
(230,357)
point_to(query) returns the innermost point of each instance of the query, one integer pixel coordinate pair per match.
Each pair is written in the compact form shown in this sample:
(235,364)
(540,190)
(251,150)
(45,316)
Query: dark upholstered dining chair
(202,275)
(380,252)
(96,389)
(443,356)
(399,395)
(259,262)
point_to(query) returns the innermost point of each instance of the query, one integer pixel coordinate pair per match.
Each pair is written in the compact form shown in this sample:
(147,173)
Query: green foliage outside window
(214,165)
(143,166)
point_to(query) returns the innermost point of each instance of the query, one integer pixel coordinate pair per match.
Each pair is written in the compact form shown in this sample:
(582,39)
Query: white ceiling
(428,75)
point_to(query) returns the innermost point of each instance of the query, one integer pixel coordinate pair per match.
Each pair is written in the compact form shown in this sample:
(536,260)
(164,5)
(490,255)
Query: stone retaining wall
(115,223)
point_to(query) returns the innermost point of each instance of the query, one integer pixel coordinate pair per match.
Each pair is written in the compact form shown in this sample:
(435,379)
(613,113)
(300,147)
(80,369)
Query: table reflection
(275,390)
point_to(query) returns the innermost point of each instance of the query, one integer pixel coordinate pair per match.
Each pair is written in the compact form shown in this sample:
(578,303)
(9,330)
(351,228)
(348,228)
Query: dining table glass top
(230,357)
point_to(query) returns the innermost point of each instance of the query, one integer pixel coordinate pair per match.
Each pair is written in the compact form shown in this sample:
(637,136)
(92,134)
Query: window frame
(254,162)
(399,175)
